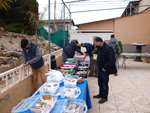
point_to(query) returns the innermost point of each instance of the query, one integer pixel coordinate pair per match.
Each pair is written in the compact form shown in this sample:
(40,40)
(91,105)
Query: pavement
(129,92)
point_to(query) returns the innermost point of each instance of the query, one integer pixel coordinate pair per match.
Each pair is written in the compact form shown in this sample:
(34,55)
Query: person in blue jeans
(106,66)
(89,49)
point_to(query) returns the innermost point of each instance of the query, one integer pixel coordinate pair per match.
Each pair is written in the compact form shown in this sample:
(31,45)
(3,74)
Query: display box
(79,57)
(46,108)
(49,88)
(24,105)
(70,81)
(70,106)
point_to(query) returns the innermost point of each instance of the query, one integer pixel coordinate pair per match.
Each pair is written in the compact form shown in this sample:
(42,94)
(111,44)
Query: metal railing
(15,75)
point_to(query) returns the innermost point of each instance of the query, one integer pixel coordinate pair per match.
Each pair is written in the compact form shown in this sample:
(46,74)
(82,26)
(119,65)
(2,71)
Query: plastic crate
(83,65)
(41,110)
(24,105)
(70,92)
(83,62)
(84,75)
(62,106)
(82,68)
(71,61)
(45,89)
(70,81)
(67,72)
(68,66)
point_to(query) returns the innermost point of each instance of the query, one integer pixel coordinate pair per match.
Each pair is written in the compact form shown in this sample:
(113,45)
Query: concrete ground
(129,92)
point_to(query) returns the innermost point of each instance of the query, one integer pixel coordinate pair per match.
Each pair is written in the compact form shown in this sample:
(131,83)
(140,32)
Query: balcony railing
(15,75)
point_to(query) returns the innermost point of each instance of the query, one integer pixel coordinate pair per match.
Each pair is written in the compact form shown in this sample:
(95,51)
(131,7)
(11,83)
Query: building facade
(128,29)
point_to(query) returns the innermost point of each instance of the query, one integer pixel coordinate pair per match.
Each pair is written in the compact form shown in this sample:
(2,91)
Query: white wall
(88,37)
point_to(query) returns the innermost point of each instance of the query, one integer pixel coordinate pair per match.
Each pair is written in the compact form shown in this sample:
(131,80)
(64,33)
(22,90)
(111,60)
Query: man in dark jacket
(69,50)
(33,57)
(89,49)
(106,66)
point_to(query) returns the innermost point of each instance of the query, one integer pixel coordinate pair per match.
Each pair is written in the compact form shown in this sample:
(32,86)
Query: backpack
(113,45)
(119,47)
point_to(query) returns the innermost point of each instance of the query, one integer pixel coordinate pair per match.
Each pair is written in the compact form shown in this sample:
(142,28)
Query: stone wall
(11,52)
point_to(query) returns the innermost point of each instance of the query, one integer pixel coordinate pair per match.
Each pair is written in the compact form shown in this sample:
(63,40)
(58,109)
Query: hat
(24,43)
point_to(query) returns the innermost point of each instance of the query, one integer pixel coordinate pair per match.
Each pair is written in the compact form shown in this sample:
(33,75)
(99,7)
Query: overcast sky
(84,17)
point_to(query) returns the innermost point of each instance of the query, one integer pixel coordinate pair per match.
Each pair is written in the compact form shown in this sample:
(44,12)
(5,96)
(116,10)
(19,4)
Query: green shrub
(17,18)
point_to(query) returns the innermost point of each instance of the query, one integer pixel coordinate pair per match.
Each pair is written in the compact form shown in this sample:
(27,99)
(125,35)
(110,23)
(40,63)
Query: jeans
(103,79)
(64,56)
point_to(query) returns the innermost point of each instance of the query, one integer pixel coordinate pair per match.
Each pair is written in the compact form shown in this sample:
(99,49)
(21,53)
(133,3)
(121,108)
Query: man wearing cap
(33,57)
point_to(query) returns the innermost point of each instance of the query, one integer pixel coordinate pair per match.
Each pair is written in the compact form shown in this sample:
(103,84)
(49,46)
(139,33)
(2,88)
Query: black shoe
(97,96)
(116,74)
(103,100)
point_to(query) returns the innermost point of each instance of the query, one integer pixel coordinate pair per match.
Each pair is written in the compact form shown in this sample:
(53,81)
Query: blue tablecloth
(85,95)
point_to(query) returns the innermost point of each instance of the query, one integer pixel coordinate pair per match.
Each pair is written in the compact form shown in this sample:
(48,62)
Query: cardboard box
(94,56)
(79,57)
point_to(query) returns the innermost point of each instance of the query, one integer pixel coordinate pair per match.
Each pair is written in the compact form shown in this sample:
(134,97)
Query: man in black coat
(106,66)
(69,50)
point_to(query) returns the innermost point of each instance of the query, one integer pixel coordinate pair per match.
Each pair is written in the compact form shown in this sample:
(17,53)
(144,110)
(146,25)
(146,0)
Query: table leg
(124,62)
(117,62)
(138,50)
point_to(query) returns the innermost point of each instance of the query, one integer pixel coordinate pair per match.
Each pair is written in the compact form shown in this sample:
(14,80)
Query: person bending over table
(69,50)
(106,66)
